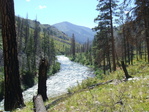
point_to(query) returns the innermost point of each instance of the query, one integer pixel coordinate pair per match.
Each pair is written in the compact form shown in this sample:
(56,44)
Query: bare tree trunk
(104,63)
(146,24)
(131,55)
(125,70)
(42,89)
(145,52)
(112,35)
(147,37)
(124,36)
(73,46)
(13,93)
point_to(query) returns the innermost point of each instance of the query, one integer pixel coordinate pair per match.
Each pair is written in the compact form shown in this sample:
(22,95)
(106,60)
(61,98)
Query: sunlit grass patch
(27,108)
(123,97)
(118,96)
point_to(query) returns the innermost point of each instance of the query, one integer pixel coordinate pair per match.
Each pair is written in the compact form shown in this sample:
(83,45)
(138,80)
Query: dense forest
(35,41)
(28,49)
(122,35)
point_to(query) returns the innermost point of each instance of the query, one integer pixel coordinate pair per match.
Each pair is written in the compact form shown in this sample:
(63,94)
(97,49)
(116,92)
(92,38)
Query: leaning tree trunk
(13,93)
(42,79)
(147,36)
(127,76)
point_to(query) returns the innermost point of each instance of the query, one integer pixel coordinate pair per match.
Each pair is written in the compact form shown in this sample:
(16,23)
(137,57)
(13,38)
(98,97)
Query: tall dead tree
(42,89)
(73,46)
(13,93)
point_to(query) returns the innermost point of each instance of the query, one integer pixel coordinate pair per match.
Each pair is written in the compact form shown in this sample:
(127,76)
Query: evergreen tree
(105,24)
(36,43)
(52,52)
(20,26)
(141,12)
(26,29)
(46,44)
(30,53)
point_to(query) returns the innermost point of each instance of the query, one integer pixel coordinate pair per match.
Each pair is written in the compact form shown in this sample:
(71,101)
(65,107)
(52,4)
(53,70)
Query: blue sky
(80,12)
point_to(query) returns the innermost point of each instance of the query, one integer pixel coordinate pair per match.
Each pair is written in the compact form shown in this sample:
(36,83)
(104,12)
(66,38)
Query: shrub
(1,87)
(28,80)
(56,67)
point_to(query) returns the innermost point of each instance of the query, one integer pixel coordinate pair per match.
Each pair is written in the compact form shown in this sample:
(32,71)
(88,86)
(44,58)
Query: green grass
(106,98)
(27,108)
(120,96)
(117,96)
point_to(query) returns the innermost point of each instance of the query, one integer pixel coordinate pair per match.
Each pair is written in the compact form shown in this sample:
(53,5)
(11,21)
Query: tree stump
(38,104)
(42,88)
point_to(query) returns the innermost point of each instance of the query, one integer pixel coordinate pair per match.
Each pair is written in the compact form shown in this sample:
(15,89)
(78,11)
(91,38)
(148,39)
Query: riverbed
(70,75)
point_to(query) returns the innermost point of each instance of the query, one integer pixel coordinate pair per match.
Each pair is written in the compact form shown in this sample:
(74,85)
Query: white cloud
(28,0)
(42,6)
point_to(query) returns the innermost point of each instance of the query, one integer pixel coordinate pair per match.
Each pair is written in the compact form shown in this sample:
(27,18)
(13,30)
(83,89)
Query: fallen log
(102,83)
(70,94)
(38,104)
(56,102)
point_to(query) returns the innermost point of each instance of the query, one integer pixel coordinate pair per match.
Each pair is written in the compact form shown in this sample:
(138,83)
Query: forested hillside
(35,41)
(82,34)
(122,36)
(117,60)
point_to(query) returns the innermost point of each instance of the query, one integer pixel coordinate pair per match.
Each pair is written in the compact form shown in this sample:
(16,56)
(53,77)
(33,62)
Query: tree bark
(112,35)
(125,70)
(38,104)
(146,23)
(0,21)
(73,46)
(42,79)
(13,93)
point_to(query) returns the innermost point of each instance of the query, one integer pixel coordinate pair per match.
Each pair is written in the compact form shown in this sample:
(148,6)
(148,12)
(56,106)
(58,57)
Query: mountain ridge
(82,33)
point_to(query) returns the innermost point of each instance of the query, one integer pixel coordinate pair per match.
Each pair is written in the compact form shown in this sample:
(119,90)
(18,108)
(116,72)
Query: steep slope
(61,40)
(81,33)
(52,30)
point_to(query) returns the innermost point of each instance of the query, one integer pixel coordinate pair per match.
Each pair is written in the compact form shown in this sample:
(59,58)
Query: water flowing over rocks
(70,75)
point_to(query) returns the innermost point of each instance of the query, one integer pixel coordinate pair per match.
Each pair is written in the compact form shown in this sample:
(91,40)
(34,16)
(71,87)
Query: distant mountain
(81,33)
(53,31)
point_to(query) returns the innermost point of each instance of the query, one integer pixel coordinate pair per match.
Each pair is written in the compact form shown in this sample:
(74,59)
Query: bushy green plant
(54,68)
(1,89)
(28,80)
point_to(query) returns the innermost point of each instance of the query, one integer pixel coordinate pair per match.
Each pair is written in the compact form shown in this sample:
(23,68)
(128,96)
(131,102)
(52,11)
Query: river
(70,75)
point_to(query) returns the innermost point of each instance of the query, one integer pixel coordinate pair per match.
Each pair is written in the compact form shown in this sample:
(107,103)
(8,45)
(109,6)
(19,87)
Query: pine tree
(30,53)
(36,42)
(46,44)
(142,14)
(52,52)
(105,22)
(26,29)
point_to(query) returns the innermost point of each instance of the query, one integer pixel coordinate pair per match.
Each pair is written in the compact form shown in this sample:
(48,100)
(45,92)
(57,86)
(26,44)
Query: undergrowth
(117,96)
